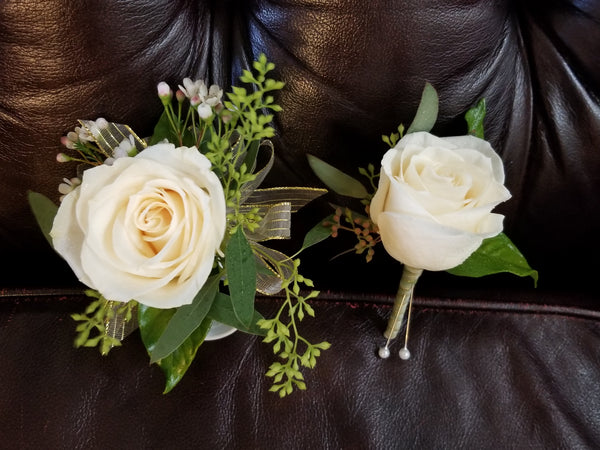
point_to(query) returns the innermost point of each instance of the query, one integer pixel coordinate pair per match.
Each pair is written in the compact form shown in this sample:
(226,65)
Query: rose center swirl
(157,217)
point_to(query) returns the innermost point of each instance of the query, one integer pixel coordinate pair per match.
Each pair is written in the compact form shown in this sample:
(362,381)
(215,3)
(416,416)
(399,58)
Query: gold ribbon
(119,326)
(110,137)
(274,205)
(275,222)
(253,185)
(297,197)
(268,277)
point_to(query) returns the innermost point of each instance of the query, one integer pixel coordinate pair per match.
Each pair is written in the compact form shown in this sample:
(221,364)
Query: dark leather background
(479,378)
(499,364)
(353,73)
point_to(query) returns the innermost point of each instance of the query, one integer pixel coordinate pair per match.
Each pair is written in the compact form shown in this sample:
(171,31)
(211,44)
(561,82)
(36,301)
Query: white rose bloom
(435,197)
(146,228)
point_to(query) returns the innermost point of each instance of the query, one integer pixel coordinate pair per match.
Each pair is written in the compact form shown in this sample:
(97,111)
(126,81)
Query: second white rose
(434,200)
(146,228)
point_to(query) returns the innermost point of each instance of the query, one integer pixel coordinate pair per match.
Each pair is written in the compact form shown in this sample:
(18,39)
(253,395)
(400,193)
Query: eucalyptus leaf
(241,276)
(44,211)
(153,322)
(185,321)
(427,111)
(222,311)
(495,255)
(337,180)
(474,118)
(316,234)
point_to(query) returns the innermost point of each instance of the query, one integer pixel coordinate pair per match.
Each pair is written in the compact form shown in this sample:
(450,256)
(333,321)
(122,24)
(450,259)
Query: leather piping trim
(360,300)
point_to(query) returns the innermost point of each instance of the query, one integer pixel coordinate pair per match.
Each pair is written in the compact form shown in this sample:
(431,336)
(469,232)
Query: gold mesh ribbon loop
(118,326)
(110,137)
(272,266)
(251,186)
(296,196)
(275,206)
(275,224)
(237,150)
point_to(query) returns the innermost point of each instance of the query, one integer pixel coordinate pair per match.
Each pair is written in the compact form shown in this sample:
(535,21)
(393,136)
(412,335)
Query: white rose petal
(146,228)
(434,200)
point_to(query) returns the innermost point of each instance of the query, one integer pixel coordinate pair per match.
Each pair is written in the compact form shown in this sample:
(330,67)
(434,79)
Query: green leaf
(495,255)
(44,211)
(241,275)
(251,154)
(153,322)
(163,130)
(337,180)
(206,139)
(427,111)
(222,311)
(316,234)
(185,321)
(474,118)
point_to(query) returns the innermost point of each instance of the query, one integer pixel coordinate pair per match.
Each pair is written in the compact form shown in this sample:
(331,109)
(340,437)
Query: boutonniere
(430,205)
(169,232)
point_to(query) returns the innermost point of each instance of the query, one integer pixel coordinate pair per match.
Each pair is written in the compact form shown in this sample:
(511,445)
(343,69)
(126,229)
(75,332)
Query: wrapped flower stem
(410,275)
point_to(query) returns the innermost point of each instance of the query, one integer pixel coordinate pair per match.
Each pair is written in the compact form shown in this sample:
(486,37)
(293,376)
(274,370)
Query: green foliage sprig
(282,333)
(93,329)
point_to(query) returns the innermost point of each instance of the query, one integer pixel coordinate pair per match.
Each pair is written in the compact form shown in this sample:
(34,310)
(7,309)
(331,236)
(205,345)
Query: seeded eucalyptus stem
(410,276)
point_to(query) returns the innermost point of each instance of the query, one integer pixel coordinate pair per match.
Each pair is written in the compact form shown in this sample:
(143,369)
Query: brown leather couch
(496,363)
